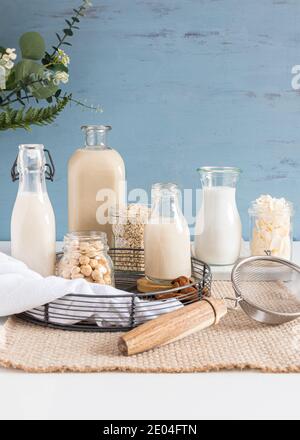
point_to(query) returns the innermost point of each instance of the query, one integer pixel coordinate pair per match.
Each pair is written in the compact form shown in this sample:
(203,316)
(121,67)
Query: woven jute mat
(237,343)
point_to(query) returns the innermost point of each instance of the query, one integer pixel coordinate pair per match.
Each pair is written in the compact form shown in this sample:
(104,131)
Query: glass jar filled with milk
(167,237)
(33,221)
(96,183)
(218,228)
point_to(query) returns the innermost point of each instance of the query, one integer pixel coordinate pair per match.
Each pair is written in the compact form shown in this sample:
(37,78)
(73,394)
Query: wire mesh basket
(121,311)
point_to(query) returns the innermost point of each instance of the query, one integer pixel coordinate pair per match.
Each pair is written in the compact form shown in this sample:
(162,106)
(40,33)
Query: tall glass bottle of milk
(218,229)
(96,183)
(33,221)
(167,237)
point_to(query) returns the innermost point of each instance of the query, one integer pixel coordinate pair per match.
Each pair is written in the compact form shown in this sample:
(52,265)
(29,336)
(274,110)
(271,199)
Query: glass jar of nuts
(85,255)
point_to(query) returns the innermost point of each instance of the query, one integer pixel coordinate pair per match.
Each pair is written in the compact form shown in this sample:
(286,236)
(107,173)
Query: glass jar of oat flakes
(128,225)
(85,255)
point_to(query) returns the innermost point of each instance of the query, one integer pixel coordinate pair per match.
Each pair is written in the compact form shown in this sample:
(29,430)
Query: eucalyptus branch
(6,100)
(74,100)
(37,76)
(18,89)
(87,106)
(71,26)
(27,97)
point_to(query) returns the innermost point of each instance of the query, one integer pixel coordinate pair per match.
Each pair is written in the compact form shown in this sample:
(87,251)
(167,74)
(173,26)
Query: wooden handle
(146,286)
(173,326)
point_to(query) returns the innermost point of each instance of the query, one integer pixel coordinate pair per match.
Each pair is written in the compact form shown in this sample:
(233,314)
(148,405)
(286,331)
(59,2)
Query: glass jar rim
(211,170)
(102,128)
(85,236)
(255,208)
(31,147)
(127,211)
(165,189)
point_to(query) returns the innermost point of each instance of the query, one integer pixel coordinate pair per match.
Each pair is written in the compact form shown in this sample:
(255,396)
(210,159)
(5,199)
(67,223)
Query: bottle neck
(165,203)
(96,138)
(31,168)
(166,208)
(33,182)
(219,177)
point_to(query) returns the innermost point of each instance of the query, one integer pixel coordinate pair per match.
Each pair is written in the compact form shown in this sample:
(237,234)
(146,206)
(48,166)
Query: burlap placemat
(236,343)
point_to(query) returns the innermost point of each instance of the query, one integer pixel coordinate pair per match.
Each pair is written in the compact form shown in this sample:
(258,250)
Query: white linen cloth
(21,290)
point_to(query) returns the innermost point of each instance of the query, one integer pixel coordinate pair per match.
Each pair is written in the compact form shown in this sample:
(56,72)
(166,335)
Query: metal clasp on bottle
(49,168)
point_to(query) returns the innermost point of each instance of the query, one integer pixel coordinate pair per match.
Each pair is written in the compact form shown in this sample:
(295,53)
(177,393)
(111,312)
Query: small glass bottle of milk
(33,237)
(167,237)
(218,229)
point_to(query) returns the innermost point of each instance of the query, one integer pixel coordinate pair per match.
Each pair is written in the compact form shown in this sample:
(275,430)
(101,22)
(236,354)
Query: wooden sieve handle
(173,326)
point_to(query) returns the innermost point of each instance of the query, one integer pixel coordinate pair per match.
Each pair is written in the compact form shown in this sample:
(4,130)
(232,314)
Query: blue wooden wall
(184,83)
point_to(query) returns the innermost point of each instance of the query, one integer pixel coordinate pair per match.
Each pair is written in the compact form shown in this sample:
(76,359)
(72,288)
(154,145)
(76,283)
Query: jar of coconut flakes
(271,227)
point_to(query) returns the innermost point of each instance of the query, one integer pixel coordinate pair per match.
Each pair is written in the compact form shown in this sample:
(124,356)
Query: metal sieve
(267,289)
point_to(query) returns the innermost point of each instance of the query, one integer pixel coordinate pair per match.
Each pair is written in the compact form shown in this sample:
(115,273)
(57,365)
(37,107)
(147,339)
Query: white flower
(11,53)
(7,58)
(60,77)
(6,64)
(87,3)
(9,65)
(62,57)
(48,75)
(13,56)
(2,78)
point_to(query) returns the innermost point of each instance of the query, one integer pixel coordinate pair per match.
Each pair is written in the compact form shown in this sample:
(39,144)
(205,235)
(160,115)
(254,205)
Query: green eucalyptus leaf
(68,32)
(32,46)
(27,67)
(11,80)
(44,92)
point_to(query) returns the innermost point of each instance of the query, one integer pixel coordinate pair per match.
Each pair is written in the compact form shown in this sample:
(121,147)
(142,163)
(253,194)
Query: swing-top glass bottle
(33,239)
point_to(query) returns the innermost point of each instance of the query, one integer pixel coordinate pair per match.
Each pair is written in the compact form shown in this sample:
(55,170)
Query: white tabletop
(113,396)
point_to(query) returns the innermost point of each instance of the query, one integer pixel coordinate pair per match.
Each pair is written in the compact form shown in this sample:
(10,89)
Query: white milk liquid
(90,172)
(33,232)
(219,230)
(167,251)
